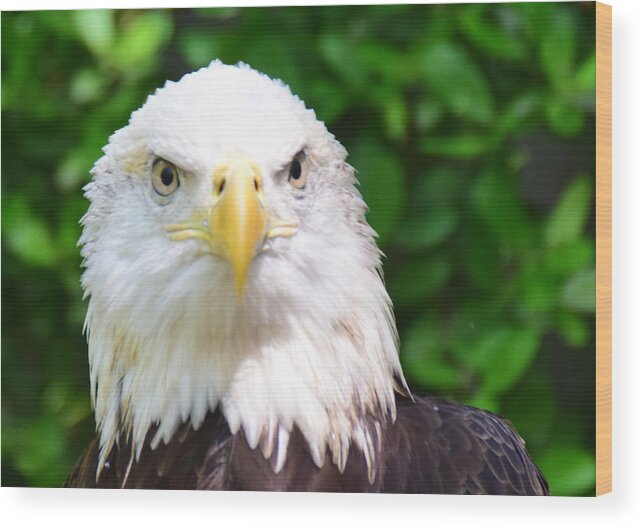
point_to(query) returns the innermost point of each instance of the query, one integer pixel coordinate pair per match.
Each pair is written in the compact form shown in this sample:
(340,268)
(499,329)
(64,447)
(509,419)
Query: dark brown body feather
(434,446)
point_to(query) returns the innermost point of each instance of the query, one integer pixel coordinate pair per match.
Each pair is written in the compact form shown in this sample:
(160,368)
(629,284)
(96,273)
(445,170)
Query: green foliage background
(472,130)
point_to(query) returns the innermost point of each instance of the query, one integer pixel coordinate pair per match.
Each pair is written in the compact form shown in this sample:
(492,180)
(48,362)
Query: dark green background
(472,127)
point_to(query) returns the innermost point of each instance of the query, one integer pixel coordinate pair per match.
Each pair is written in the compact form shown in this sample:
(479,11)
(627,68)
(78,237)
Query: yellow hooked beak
(235,224)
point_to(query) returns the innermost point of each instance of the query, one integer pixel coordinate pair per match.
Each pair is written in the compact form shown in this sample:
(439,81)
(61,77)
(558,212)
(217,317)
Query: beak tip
(240,284)
(239,292)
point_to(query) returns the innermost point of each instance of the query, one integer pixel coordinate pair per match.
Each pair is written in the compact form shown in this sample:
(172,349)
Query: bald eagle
(240,335)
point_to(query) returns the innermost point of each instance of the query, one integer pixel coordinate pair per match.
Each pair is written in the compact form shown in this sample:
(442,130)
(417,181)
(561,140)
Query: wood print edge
(603,248)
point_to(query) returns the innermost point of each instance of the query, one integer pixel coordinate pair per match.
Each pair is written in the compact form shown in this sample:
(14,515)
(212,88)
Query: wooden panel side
(603,248)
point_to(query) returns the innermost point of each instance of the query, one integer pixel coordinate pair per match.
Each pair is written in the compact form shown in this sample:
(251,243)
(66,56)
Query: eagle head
(229,266)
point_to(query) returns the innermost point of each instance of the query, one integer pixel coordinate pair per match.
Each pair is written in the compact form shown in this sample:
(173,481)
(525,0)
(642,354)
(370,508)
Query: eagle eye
(296,172)
(165,177)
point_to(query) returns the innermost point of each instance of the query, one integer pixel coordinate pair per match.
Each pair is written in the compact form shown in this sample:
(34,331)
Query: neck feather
(328,376)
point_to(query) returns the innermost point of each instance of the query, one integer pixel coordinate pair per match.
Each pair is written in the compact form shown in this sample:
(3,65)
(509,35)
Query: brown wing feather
(177,465)
(443,447)
(433,447)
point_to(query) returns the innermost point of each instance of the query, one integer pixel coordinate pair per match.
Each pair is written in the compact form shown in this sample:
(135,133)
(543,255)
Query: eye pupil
(295,170)
(167,176)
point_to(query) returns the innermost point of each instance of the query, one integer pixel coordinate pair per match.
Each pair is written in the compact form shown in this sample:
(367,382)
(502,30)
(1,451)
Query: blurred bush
(472,129)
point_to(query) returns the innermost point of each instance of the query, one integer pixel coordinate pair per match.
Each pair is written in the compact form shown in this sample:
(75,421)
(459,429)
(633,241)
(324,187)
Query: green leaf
(585,77)
(564,118)
(427,114)
(432,214)
(496,200)
(60,399)
(455,79)
(516,114)
(199,48)
(573,329)
(567,221)
(570,257)
(501,356)
(418,279)
(533,19)
(95,28)
(539,288)
(221,13)
(426,228)
(558,50)
(385,64)
(484,399)
(440,186)
(73,169)
(27,235)
(86,86)
(38,444)
(271,55)
(395,117)
(477,250)
(569,470)
(141,40)
(579,293)
(381,183)
(328,99)
(423,357)
(492,38)
(465,146)
(510,364)
(531,407)
(339,54)
(470,322)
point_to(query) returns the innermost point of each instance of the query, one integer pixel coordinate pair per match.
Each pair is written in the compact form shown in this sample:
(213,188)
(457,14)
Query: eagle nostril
(220,186)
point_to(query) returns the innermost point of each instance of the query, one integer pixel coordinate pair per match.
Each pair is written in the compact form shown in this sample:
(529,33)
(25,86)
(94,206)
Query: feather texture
(435,446)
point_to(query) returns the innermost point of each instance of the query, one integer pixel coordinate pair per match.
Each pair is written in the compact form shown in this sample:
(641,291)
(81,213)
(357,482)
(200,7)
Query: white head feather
(312,342)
